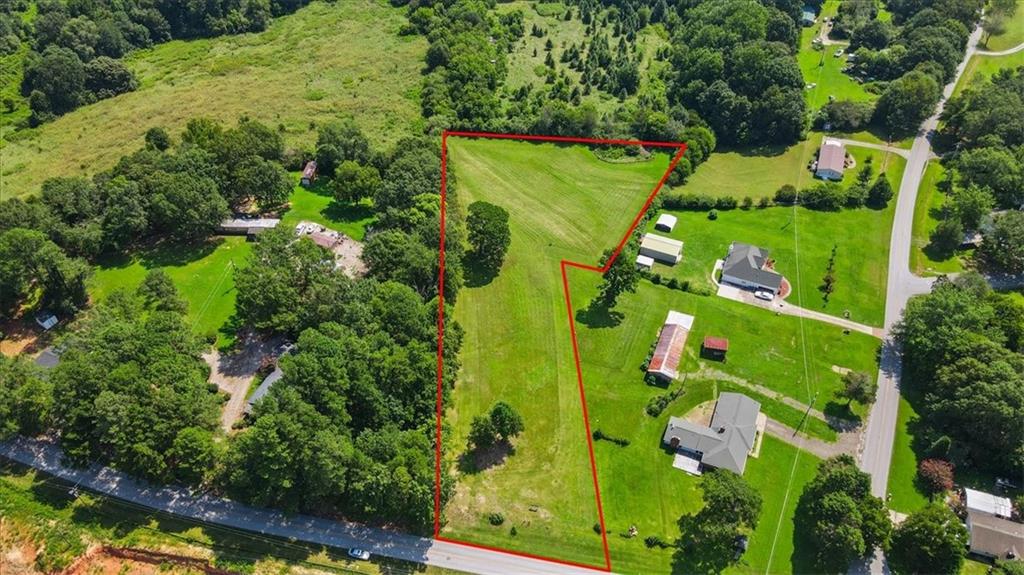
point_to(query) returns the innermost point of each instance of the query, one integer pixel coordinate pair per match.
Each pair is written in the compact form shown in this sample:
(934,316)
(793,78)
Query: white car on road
(361,554)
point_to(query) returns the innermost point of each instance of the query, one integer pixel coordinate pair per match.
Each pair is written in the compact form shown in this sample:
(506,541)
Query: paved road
(46,456)
(902,285)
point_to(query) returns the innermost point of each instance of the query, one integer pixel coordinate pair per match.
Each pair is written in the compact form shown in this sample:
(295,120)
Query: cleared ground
(563,203)
(326,61)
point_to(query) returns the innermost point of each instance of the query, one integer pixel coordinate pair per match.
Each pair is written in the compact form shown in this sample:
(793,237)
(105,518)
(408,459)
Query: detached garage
(662,249)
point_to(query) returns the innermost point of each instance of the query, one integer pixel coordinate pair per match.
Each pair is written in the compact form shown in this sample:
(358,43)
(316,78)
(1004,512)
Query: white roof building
(981,502)
(666,250)
(644,262)
(665,222)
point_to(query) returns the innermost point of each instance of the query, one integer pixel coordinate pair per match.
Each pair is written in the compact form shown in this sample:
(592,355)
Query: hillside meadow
(326,61)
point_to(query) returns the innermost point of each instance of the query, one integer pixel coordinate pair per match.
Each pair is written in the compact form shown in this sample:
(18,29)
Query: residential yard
(316,204)
(905,495)
(38,508)
(1013,35)
(287,76)
(924,260)
(639,486)
(825,69)
(756,172)
(985,66)
(563,203)
(202,273)
(801,241)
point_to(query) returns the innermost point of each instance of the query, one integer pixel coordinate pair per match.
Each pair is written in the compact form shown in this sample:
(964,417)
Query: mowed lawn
(316,204)
(639,486)
(326,61)
(1014,34)
(801,241)
(203,274)
(563,203)
(924,260)
(980,67)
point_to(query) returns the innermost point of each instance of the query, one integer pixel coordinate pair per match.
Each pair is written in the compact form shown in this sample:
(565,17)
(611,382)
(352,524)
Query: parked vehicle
(764,294)
(360,554)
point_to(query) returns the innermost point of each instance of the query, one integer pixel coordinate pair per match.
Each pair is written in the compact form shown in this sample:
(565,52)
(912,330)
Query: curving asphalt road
(45,456)
(902,285)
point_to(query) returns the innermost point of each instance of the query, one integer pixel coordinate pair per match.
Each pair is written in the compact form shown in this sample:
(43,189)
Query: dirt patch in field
(701,415)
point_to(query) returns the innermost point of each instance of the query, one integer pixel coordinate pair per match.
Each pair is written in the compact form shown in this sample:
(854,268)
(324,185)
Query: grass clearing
(980,67)
(316,204)
(924,260)
(202,273)
(563,203)
(326,61)
(906,497)
(824,69)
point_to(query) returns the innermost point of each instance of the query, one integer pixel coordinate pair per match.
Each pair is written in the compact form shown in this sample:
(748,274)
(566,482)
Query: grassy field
(563,203)
(924,260)
(801,242)
(823,68)
(1013,35)
(203,275)
(518,349)
(326,61)
(39,508)
(905,495)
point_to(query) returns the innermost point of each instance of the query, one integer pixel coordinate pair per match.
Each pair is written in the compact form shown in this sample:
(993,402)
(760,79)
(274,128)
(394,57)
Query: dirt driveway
(233,373)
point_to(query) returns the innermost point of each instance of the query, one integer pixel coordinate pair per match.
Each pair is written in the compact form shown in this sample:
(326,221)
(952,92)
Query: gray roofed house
(745,266)
(724,444)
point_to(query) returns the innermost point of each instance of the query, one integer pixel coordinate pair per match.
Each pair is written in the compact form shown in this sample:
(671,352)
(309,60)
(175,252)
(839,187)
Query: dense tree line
(962,347)
(131,389)
(985,171)
(76,47)
(907,61)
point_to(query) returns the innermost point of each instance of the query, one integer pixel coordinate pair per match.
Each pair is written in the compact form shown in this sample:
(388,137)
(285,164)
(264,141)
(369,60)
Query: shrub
(673,283)
(495,518)
(936,475)
(747,203)
(659,403)
(764,202)
(713,215)
(656,279)
(726,203)
(513,531)
(599,435)
(597,528)
(655,541)
(786,195)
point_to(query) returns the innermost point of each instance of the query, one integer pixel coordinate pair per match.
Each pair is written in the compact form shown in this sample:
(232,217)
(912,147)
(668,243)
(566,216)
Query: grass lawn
(823,68)
(563,203)
(985,66)
(39,508)
(203,275)
(755,172)
(923,259)
(316,204)
(906,497)
(1013,35)
(861,238)
(325,61)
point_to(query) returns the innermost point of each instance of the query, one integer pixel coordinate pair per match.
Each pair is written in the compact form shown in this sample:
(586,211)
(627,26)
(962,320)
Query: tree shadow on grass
(168,254)
(477,274)
(938,253)
(841,417)
(476,460)
(345,212)
(598,315)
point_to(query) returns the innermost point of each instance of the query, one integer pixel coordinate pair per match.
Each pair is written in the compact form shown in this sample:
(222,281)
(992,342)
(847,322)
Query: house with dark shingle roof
(747,266)
(726,442)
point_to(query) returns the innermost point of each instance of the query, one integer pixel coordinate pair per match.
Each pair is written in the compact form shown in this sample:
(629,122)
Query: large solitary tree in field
(622,276)
(489,233)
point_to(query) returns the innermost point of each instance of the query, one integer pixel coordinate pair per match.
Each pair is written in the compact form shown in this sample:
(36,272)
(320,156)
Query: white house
(992,533)
(831,160)
(662,249)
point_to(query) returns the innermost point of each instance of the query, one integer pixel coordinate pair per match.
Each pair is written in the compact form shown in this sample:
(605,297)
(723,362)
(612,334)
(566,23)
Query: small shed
(644,263)
(309,173)
(46,320)
(715,347)
(665,223)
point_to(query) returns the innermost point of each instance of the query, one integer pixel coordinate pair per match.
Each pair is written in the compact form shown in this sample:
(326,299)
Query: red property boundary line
(564,264)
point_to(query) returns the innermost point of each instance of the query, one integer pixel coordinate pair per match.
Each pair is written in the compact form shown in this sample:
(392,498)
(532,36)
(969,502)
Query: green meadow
(328,60)
(564,203)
